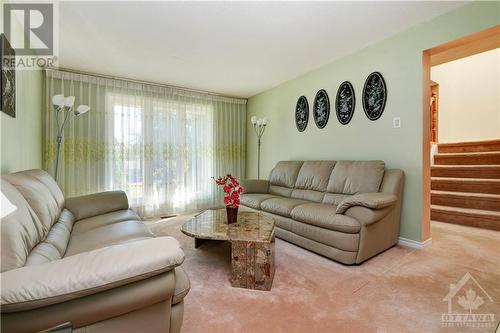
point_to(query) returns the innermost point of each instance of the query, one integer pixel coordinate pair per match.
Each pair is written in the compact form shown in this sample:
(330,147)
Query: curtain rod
(104,76)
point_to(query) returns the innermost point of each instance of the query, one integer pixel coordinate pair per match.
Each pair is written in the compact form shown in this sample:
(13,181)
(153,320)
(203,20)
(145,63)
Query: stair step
(466,200)
(473,146)
(466,171)
(469,185)
(464,216)
(489,158)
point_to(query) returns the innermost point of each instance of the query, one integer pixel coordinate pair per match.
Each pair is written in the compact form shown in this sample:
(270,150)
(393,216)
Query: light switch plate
(396,122)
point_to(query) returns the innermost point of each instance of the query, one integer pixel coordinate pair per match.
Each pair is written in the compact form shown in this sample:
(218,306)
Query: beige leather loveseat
(348,211)
(88,261)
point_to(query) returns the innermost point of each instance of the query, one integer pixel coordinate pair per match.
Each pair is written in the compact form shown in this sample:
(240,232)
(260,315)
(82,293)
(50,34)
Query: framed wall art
(321,108)
(345,102)
(374,96)
(8,78)
(301,113)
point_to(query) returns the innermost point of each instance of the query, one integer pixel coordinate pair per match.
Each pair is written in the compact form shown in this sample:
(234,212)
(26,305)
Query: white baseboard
(414,244)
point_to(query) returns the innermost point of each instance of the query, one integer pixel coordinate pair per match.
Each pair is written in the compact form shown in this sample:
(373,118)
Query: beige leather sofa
(348,211)
(88,261)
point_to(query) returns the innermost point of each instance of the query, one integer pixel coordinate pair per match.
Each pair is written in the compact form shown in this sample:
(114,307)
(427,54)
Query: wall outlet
(396,122)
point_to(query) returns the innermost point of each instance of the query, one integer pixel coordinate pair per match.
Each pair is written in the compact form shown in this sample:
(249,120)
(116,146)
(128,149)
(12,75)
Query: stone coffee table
(252,244)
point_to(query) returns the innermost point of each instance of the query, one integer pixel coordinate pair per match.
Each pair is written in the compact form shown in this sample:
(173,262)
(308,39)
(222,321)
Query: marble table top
(212,224)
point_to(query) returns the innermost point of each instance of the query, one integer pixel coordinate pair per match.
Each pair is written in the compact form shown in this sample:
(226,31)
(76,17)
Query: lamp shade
(81,109)
(253,119)
(69,101)
(58,101)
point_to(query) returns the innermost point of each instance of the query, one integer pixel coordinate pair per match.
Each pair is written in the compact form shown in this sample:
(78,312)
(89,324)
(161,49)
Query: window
(162,152)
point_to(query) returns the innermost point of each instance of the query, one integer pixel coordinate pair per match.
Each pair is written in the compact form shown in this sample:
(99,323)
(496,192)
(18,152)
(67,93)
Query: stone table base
(252,244)
(252,264)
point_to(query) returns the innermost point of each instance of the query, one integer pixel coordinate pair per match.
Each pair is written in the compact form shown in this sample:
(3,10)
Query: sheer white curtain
(161,145)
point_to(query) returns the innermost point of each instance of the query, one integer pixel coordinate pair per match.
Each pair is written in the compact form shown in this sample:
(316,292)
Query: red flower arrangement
(232,188)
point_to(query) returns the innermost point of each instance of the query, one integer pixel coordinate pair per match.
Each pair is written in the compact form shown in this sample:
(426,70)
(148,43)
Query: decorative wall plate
(321,108)
(345,102)
(374,96)
(301,113)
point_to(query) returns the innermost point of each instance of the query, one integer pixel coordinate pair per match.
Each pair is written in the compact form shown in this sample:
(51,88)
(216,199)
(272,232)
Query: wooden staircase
(465,184)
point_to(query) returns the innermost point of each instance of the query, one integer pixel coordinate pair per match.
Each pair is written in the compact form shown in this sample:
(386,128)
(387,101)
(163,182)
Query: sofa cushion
(351,177)
(104,219)
(285,173)
(324,215)
(20,231)
(42,194)
(281,206)
(282,221)
(86,274)
(254,200)
(314,175)
(107,235)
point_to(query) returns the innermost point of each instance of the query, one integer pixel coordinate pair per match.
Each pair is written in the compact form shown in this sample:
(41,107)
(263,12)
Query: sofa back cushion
(42,194)
(54,246)
(20,231)
(314,175)
(285,173)
(351,177)
(283,177)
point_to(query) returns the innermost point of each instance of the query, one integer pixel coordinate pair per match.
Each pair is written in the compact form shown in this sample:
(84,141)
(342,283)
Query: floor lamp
(63,105)
(259,125)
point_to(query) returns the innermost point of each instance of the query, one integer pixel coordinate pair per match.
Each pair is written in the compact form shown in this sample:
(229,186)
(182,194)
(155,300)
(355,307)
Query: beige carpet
(401,290)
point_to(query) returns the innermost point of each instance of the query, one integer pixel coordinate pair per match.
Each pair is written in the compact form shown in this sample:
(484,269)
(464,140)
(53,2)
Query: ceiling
(232,48)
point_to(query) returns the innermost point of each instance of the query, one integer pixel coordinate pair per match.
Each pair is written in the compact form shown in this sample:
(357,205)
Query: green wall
(20,138)
(399,59)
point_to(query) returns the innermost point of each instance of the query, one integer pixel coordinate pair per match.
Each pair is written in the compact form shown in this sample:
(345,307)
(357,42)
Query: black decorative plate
(321,108)
(345,102)
(301,113)
(374,96)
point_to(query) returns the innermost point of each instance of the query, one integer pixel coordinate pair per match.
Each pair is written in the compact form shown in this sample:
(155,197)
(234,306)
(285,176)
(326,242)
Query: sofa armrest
(369,200)
(367,216)
(255,186)
(87,273)
(96,204)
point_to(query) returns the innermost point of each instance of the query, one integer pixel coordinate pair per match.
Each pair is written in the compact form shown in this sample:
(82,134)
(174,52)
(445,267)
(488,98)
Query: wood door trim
(426,147)
(482,41)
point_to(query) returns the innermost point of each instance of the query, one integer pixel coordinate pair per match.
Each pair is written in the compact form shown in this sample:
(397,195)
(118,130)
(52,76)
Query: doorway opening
(461,132)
